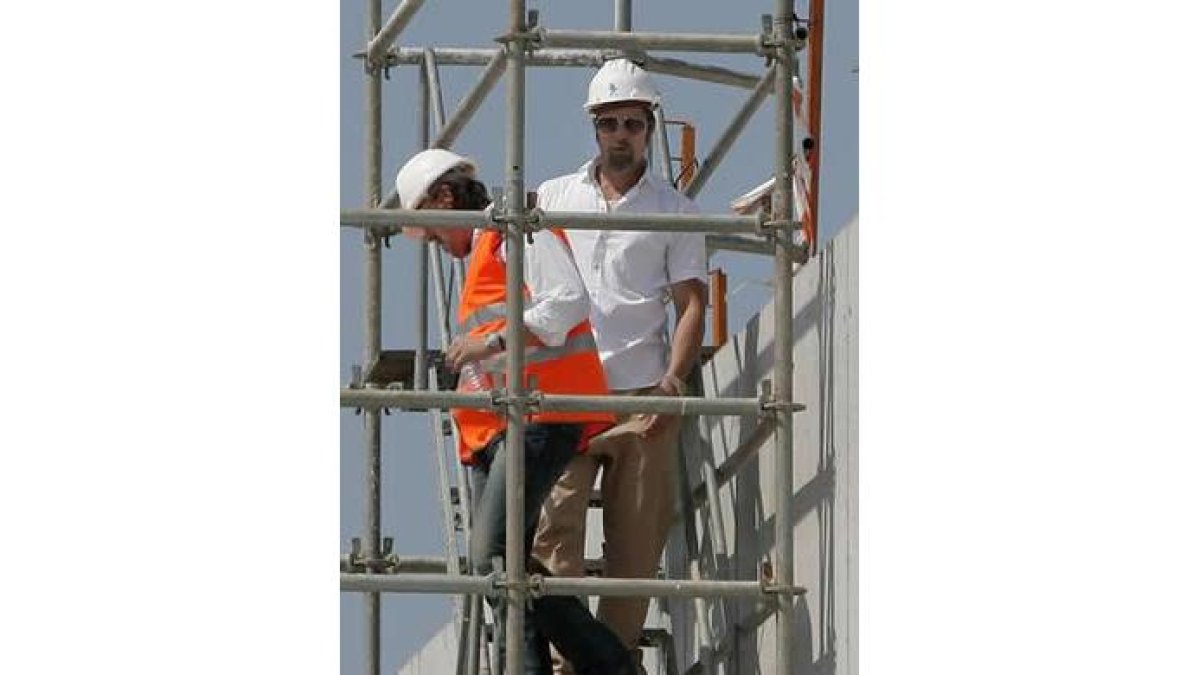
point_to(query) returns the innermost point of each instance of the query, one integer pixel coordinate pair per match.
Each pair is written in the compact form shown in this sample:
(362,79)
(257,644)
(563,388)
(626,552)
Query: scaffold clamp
(526,223)
(355,562)
(769,47)
(533,586)
(529,40)
(773,227)
(766,581)
(769,404)
(531,401)
(780,406)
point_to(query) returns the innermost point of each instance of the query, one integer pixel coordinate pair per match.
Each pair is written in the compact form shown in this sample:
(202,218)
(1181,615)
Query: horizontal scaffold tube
(442,583)
(468,56)
(655,587)
(567,220)
(411,563)
(680,42)
(432,218)
(672,222)
(672,405)
(474,56)
(419,583)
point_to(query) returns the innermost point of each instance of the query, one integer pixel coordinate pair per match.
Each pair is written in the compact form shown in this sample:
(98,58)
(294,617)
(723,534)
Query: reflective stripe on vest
(483,315)
(576,344)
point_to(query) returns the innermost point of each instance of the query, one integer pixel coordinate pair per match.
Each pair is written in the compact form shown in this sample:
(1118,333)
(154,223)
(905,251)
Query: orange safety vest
(571,368)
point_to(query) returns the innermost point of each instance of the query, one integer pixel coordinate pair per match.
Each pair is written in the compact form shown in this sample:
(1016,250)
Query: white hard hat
(423,170)
(618,81)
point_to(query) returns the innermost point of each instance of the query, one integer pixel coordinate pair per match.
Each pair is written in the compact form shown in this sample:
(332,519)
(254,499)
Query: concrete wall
(825,480)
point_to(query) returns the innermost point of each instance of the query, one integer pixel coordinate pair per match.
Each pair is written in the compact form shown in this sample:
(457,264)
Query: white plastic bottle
(472,378)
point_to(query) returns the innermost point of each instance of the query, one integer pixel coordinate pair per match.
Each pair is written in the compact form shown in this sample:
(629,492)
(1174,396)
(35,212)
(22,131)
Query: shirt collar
(648,181)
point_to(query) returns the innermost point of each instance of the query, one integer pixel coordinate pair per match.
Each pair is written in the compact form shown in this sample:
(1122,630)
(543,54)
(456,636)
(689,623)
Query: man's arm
(689,333)
(685,345)
(687,262)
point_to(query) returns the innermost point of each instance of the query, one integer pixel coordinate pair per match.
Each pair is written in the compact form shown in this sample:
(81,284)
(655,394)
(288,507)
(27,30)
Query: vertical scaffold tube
(372,329)
(782,207)
(623,15)
(420,367)
(514,205)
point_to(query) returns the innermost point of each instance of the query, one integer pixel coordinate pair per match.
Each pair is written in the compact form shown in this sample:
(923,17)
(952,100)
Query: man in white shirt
(630,277)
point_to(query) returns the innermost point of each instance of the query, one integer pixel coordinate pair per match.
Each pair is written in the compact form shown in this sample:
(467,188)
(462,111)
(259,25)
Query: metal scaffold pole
(514,206)
(420,366)
(388,221)
(372,329)
(782,208)
(623,15)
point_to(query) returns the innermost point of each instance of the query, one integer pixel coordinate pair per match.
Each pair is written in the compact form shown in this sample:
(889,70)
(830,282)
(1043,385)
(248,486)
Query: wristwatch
(494,342)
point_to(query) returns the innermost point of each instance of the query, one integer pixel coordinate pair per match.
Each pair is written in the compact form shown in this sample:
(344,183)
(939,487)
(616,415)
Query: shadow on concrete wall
(736,624)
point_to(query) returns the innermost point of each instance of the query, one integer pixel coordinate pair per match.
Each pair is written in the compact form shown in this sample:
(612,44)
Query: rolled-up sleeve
(686,256)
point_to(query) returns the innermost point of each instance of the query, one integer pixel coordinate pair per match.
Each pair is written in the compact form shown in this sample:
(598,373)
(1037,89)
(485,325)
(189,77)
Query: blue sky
(558,141)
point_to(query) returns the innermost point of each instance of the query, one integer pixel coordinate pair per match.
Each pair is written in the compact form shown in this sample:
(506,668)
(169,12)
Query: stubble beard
(618,160)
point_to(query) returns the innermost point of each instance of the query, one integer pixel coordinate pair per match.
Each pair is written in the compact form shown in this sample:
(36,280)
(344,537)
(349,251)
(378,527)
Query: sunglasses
(608,124)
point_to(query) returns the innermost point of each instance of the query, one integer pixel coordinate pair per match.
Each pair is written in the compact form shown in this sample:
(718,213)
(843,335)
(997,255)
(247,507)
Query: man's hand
(465,349)
(669,385)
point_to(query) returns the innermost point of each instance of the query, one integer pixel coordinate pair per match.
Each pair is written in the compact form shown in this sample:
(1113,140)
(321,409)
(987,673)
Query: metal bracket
(769,47)
(385,64)
(356,382)
(766,44)
(774,226)
(535,587)
(530,40)
(532,401)
(770,229)
(499,401)
(760,227)
(525,224)
(369,66)
(768,404)
(774,406)
(532,585)
(782,591)
(766,581)
(356,562)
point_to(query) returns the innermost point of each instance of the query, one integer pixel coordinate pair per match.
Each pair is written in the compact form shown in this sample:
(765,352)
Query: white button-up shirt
(557,298)
(628,274)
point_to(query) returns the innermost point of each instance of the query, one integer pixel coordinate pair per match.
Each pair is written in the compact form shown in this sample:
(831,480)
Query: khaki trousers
(637,486)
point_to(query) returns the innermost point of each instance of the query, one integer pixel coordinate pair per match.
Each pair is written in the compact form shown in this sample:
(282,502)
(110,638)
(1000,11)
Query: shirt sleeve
(558,300)
(686,257)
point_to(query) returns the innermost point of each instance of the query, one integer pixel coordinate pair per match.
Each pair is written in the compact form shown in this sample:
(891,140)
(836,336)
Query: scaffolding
(371,568)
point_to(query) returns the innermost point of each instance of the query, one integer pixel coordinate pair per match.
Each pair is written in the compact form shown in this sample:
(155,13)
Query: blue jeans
(587,643)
